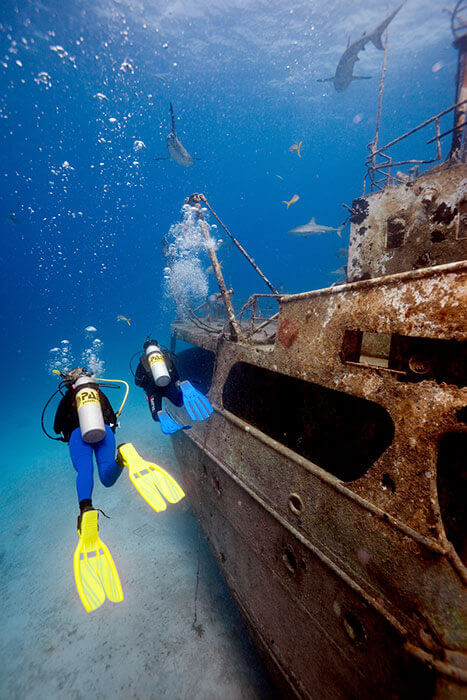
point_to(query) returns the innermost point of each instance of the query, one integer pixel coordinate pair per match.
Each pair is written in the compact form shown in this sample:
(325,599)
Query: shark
(176,149)
(344,71)
(12,218)
(313,228)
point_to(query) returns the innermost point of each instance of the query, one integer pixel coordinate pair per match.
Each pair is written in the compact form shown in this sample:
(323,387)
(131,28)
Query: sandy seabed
(144,647)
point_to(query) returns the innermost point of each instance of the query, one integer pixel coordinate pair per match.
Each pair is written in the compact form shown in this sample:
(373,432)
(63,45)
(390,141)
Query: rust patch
(437,236)
(287,333)
(444,214)
(360,208)
(423,261)
(396,227)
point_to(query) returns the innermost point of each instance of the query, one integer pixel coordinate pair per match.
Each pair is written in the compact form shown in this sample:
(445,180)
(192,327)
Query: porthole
(354,629)
(295,503)
(290,562)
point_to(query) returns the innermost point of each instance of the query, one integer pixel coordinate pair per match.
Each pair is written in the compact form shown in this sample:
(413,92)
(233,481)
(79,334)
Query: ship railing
(380,166)
(252,318)
(201,316)
(255,317)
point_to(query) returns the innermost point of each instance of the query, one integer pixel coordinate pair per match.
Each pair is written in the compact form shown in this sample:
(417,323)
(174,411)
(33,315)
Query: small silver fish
(294,199)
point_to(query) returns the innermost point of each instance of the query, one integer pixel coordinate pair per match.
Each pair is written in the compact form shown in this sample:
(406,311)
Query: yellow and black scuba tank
(91,419)
(157,365)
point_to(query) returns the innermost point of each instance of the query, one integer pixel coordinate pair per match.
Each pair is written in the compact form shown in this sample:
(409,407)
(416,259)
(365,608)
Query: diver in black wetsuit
(154,393)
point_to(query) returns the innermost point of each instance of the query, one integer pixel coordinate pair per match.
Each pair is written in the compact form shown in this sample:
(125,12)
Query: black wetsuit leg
(174,394)
(155,404)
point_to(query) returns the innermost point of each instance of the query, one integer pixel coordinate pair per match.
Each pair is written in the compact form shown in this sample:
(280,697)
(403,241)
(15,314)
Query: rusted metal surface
(410,226)
(349,588)
(315,627)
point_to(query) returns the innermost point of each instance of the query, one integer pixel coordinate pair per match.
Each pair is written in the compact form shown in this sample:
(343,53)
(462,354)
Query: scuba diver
(86,420)
(158,376)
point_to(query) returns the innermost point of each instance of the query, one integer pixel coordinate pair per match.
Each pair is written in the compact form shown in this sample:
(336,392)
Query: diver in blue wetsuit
(158,376)
(67,424)
(86,420)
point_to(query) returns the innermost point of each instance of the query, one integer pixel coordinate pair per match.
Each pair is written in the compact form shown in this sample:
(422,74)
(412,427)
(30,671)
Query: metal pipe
(458,142)
(416,128)
(239,246)
(445,133)
(374,144)
(266,323)
(235,331)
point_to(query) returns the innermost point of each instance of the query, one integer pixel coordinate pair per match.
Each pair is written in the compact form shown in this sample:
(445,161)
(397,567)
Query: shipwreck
(339,524)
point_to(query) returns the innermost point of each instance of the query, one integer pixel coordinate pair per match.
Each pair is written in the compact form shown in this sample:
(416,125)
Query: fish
(12,218)
(344,71)
(124,318)
(295,148)
(176,149)
(100,96)
(312,227)
(340,271)
(342,253)
(294,199)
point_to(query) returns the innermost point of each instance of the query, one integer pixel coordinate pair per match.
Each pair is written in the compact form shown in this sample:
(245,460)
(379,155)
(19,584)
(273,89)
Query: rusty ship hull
(330,480)
(349,588)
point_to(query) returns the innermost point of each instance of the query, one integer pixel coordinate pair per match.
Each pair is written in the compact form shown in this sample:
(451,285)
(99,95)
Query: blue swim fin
(168,425)
(197,405)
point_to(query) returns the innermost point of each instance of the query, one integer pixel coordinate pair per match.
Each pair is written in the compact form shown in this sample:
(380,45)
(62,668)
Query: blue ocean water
(84,113)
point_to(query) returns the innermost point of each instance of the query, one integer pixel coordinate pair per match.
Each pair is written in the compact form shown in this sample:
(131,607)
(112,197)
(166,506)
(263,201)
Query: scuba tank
(159,370)
(91,420)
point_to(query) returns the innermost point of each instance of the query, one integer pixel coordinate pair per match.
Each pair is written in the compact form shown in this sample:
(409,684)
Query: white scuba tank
(159,370)
(91,420)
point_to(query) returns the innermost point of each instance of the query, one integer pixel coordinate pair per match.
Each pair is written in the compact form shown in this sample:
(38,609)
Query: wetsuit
(155,394)
(67,423)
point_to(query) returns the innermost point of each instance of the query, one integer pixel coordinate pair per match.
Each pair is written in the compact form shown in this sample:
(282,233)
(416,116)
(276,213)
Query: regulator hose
(138,352)
(116,381)
(60,439)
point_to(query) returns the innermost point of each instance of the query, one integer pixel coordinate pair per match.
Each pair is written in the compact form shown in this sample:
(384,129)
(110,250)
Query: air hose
(117,381)
(44,410)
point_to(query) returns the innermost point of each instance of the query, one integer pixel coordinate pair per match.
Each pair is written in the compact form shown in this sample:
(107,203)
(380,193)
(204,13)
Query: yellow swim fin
(151,481)
(96,575)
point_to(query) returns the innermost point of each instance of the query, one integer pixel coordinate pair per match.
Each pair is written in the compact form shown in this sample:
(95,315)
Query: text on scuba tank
(86,396)
(155,358)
